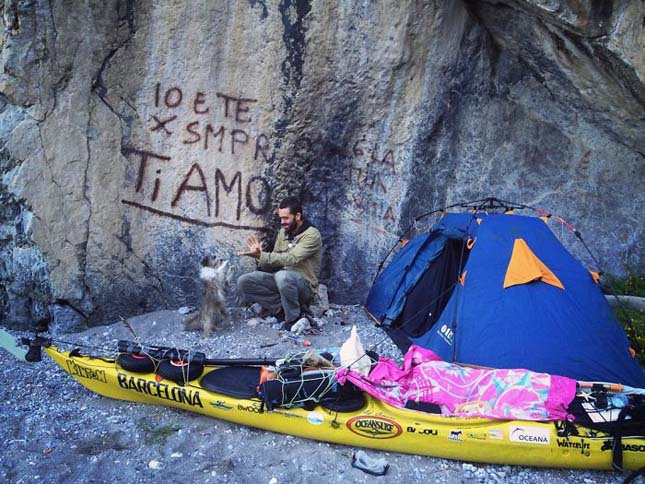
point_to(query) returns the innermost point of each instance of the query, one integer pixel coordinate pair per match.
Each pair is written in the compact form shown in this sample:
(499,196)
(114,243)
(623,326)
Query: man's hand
(255,247)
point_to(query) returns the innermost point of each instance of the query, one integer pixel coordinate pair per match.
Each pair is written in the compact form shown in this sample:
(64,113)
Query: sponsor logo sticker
(315,418)
(530,435)
(374,427)
(221,405)
(286,413)
(456,435)
(251,408)
(446,333)
(422,431)
(84,372)
(496,434)
(476,436)
(582,445)
(608,445)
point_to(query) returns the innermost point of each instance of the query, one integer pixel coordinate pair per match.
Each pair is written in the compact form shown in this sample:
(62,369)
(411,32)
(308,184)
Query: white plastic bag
(352,354)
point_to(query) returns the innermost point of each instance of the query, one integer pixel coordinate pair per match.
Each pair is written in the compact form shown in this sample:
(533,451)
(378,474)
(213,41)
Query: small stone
(185,310)
(323,298)
(256,308)
(273,480)
(301,326)
(176,455)
(253,322)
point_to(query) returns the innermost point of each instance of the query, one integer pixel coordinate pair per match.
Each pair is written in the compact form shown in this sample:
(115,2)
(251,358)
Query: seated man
(297,254)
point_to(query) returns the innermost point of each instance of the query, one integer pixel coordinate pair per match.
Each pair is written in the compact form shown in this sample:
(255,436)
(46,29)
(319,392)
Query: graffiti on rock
(213,188)
(206,186)
(208,143)
(371,172)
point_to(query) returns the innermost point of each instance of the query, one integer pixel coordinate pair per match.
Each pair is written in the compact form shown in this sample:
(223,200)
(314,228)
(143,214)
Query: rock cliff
(137,136)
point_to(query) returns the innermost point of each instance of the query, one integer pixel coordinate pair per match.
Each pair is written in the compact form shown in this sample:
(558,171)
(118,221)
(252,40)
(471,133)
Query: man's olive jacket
(301,253)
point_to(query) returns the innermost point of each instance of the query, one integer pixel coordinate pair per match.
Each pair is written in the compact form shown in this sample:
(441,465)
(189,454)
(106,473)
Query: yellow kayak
(376,425)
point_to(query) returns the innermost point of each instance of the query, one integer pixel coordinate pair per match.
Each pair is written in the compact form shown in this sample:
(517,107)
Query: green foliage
(635,332)
(632,285)
(156,435)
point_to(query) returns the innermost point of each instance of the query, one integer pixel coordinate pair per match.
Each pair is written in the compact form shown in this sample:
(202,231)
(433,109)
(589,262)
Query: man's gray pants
(286,290)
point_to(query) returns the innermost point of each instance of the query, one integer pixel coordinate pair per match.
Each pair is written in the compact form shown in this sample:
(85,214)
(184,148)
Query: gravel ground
(57,431)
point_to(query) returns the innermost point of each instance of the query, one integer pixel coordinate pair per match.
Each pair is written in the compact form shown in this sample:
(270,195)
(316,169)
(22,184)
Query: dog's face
(216,269)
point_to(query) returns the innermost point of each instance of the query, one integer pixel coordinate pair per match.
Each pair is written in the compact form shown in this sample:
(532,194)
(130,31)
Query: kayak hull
(377,425)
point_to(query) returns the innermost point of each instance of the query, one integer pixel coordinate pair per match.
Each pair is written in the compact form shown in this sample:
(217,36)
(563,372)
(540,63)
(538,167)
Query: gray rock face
(137,136)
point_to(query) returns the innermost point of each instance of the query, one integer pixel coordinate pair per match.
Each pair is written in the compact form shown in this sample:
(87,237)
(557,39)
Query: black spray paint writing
(369,172)
(215,187)
(222,123)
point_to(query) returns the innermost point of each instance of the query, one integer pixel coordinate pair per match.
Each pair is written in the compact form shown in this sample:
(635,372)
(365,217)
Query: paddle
(162,352)
(8,342)
(610,387)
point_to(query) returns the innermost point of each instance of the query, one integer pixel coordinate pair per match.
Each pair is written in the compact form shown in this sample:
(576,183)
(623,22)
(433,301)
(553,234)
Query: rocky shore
(55,431)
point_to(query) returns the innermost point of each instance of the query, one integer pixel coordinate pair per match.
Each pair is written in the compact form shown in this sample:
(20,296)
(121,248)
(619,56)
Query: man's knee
(245,282)
(284,279)
(242,281)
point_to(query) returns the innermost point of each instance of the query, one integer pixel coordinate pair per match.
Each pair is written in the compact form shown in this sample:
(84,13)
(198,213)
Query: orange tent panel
(525,267)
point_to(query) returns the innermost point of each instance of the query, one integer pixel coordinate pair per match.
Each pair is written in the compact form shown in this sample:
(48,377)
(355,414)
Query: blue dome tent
(500,290)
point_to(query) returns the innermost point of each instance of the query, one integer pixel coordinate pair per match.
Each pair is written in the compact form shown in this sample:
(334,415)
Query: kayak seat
(234,381)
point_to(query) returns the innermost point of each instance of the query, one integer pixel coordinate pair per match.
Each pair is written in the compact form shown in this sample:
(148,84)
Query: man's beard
(291,227)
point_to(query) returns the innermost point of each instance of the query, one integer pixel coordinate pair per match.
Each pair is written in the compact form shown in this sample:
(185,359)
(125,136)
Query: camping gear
(352,354)
(465,391)
(499,290)
(231,393)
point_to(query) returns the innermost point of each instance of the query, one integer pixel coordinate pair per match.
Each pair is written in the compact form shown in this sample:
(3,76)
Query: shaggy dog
(215,275)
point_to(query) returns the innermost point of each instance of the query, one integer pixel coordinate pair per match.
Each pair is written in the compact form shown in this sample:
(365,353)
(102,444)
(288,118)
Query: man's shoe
(280,315)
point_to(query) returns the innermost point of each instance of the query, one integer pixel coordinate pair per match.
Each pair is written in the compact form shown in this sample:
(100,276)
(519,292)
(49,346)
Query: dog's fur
(215,275)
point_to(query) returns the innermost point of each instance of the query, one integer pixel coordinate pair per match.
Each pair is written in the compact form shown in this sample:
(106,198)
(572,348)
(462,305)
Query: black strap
(617,448)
